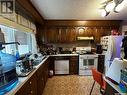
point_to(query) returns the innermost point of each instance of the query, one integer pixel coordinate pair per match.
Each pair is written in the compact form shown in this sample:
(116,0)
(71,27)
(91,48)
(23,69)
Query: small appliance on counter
(36,58)
(27,65)
(99,49)
(8,75)
(24,67)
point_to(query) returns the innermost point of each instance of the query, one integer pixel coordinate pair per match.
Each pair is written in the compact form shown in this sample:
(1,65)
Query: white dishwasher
(62,66)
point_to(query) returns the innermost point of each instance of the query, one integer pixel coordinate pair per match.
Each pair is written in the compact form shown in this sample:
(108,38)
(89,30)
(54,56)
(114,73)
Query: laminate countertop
(65,55)
(23,80)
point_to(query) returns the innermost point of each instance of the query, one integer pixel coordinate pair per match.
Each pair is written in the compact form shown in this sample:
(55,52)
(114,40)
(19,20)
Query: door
(61,66)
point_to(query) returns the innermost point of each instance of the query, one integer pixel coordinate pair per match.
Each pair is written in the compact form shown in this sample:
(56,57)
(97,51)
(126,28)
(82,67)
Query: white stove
(87,61)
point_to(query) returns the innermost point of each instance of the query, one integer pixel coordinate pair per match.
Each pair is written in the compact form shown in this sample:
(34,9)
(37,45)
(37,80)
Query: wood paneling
(90,23)
(27,5)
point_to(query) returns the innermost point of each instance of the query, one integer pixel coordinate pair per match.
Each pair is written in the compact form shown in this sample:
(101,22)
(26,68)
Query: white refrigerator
(111,48)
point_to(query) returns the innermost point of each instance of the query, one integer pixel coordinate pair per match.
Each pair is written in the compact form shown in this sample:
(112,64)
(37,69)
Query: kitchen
(59,44)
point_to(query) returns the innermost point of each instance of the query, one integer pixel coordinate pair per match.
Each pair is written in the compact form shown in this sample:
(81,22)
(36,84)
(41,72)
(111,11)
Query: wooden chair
(98,77)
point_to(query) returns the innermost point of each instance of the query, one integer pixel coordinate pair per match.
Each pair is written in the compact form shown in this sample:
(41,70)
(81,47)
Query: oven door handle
(83,58)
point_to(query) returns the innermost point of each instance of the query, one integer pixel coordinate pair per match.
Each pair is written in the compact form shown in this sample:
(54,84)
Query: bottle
(12,52)
(17,55)
(0,66)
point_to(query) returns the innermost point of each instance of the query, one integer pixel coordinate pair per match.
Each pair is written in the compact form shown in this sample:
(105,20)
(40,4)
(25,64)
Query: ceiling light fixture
(104,13)
(112,5)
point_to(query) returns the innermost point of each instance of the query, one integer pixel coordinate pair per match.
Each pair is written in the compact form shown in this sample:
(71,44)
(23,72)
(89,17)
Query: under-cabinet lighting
(85,38)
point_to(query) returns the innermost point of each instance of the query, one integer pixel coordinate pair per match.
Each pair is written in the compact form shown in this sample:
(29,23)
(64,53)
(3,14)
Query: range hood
(85,38)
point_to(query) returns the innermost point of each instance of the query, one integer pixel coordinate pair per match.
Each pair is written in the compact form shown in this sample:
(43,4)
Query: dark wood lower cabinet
(42,77)
(30,87)
(101,59)
(36,83)
(73,65)
(40,80)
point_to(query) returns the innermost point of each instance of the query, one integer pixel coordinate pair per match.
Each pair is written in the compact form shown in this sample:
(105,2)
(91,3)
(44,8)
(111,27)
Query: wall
(74,44)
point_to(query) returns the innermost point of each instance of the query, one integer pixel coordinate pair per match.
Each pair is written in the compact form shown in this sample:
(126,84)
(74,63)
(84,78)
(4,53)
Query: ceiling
(75,10)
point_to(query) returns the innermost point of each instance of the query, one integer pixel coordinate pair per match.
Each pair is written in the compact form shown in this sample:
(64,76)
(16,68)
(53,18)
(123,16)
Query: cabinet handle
(30,82)
(42,79)
(31,92)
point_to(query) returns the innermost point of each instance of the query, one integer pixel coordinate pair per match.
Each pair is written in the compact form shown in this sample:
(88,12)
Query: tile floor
(70,85)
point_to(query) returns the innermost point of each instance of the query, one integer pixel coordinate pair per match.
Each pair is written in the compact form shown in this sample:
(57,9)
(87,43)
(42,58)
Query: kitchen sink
(37,61)
(23,73)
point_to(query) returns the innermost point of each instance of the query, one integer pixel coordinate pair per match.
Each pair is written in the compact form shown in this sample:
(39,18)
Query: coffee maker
(99,49)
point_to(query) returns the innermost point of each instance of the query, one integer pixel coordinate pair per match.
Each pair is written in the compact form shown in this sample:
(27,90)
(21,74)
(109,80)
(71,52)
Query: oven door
(86,63)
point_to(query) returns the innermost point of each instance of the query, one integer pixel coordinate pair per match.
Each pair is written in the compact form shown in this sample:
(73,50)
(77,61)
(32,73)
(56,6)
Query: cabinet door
(33,85)
(40,83)
(46,70)
(62,35)
(40,80)
(42,76)
(100,65)
(73,66)
(51,34)
(71,34)
(29,88)
(24,90)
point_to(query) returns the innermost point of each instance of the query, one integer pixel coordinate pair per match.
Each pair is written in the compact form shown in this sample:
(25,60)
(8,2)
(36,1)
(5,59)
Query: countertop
(22,80)
(65,55)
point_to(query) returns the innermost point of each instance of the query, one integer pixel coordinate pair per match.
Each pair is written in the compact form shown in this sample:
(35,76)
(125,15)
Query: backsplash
(74,44)
(54,48)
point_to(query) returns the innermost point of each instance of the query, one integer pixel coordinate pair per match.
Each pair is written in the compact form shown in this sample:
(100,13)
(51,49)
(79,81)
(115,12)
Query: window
(9,37)
(27,41)
(24,39)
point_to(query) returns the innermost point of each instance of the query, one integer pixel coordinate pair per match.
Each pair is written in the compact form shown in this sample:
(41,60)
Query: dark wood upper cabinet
(51,35)
(67,35)
(70,34)
(68,31)
(60,35)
